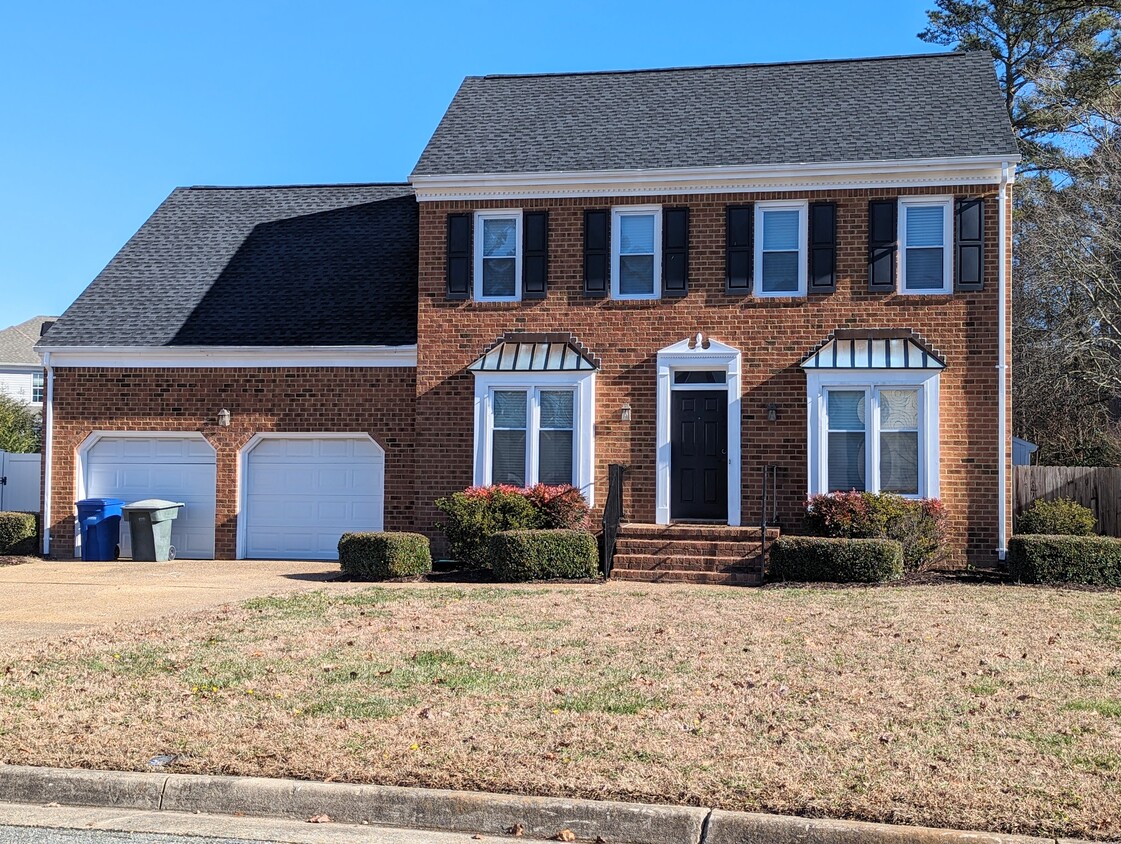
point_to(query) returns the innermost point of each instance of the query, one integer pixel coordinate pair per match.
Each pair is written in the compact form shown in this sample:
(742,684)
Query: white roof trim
(750,178)
(872,353)
(193,357)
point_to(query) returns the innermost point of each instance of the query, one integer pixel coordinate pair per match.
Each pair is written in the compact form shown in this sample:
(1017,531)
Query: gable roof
(17,342)
(943,105)
(315,265)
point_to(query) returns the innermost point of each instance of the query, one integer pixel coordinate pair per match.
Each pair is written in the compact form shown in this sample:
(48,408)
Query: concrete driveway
(50,598)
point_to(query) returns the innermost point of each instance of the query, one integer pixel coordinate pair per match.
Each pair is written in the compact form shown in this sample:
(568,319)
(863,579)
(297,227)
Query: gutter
(48,451)
(1002,365)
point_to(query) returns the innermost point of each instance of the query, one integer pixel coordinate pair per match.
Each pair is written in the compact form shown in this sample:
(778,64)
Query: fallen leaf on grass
(565,834)
(319,819)
(517,830)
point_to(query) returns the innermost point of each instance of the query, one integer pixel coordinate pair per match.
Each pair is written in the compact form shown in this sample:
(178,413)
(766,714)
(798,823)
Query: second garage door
(302,494)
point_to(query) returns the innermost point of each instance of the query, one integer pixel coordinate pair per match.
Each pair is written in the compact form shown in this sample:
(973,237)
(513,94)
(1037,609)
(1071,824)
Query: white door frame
(80,468)
(692,354)
(256,439)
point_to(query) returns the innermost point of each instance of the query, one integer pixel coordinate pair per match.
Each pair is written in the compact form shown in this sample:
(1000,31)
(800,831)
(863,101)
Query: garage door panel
(302,494)
(178,469)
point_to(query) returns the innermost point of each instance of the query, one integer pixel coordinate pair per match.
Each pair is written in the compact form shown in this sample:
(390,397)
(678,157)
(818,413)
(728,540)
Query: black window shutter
(969,263)
(882,245)
(823,247)
(675,251)
(535,254)
(459,256)
(740,255)
(596,253)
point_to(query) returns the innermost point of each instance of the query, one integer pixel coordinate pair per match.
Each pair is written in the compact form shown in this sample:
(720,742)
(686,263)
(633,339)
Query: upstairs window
(498,256)
(780,248)
(636,253)
(37,387)
(926,237)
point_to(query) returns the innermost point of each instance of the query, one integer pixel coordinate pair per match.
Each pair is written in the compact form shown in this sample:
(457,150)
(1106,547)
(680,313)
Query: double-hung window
(37,387)
(926,241)
(874,439)
(498,256)
(636,252)
(532,436)
(780,248)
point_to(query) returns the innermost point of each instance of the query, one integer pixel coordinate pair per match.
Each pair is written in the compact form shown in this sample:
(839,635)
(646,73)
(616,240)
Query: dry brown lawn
(987,707)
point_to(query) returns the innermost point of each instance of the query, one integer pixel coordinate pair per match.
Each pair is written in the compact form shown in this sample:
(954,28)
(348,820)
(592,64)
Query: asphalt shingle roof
(893,108)
(321,265)
(17,342)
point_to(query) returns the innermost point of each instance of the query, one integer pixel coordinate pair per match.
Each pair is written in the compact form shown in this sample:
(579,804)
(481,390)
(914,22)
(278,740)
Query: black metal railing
(769,511)
(612,514)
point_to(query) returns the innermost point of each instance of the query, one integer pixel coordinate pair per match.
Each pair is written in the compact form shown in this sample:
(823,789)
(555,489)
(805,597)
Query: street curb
(457,811)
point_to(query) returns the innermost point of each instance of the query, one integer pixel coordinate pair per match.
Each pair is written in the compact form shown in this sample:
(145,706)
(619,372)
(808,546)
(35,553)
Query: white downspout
(1002,364)
(48,451)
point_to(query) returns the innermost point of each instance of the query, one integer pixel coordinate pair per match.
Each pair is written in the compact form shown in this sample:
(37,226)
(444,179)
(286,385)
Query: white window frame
(803,209)
(947,203)
(38,387)
(582,384)
(636,211)
(818,385)
(477,278)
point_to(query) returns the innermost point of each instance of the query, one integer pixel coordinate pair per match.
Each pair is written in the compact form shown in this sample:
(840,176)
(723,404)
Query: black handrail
(612,514)
(770,495)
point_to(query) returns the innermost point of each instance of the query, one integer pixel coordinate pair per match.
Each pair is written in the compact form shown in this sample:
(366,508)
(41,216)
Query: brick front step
(702,532)
(693,547)
(714,578)
(680,561)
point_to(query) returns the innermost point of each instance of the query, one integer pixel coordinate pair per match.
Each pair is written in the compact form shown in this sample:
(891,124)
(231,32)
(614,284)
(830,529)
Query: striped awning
(873,349)
(535,353)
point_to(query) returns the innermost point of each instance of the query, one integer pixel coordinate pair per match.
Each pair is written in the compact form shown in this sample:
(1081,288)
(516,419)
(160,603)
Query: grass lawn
(987,707)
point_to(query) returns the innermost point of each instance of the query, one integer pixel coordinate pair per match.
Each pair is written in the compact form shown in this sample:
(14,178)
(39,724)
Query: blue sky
(107,106)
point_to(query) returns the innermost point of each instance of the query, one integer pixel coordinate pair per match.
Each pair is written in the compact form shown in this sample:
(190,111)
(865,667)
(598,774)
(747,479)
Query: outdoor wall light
(223,418)
(772,412)
(625,414)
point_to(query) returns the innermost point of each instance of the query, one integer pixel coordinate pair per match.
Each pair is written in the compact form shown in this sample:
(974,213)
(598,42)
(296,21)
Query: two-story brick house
(746,284)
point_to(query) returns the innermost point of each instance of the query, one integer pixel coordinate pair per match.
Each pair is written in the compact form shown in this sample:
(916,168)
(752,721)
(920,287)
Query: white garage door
(175,468)
(302,494)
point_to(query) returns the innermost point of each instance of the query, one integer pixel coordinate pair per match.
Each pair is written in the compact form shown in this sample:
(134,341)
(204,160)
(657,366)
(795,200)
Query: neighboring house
(746,284)
(21,370)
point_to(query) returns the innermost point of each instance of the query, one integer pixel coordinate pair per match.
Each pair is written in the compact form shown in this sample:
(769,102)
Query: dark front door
(699,454)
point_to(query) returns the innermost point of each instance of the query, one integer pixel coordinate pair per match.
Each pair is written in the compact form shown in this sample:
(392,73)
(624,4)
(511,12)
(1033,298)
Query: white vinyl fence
(19,481)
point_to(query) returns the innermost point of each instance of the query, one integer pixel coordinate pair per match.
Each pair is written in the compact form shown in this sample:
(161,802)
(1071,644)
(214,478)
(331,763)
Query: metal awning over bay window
(534,412)
(873,412)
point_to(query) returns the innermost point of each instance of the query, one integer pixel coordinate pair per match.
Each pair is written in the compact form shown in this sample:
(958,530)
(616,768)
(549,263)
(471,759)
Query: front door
(699,455)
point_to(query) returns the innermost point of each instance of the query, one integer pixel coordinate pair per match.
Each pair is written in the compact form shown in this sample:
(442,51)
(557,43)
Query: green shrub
(919,525)
(1092,560)
(518,555)
(1057,517)
(836,560)
(379,556)
(473,516)
(19,534)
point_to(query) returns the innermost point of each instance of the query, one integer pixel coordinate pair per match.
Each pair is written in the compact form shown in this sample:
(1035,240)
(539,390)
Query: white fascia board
(984,170)
(248,357)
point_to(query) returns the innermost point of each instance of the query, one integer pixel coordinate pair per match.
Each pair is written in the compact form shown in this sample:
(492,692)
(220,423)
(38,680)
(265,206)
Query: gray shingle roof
(323,265)
(17,342)
(904,107)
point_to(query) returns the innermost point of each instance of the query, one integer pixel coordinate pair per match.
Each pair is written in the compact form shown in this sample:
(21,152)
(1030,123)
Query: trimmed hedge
(19,534)
(1091,560)
(518,555)
(1057,517)
(836,560)
(380,556)
(919,525)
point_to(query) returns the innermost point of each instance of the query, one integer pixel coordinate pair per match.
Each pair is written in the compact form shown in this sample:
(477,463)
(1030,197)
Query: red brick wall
(377,401)
(772,334)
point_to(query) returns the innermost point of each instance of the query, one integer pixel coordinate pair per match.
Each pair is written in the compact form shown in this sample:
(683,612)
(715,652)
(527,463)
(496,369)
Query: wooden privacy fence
(1098,488)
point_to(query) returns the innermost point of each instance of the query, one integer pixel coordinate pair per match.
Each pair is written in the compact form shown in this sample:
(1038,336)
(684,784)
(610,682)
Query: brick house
(745,284)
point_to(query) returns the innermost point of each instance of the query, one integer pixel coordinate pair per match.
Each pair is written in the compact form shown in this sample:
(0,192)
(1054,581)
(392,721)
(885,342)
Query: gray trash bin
(149,525)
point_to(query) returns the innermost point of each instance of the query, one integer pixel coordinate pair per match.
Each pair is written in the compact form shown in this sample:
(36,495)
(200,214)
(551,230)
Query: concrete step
(715,578)
(686,562)
(688,547)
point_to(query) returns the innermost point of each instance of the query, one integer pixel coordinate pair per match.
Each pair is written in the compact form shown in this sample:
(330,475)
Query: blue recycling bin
(100,520)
